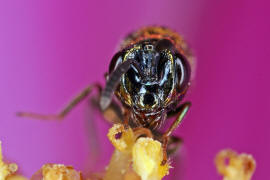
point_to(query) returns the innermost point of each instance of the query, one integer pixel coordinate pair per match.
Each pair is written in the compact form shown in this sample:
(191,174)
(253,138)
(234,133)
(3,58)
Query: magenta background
(50,50)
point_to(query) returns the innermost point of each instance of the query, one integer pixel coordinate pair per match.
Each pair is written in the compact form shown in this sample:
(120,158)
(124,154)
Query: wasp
(149,76)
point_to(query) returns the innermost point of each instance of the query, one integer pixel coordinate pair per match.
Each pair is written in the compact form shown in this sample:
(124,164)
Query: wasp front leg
(112,114)
(105,100)
(173,144)
(181,114)
(71,105)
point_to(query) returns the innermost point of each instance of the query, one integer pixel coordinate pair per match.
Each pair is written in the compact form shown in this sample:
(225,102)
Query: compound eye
(182,69)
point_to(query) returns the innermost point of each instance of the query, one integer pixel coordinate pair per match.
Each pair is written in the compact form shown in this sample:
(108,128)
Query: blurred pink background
(50,50)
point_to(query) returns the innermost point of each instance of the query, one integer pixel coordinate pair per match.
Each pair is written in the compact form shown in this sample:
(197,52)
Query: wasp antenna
(112,83)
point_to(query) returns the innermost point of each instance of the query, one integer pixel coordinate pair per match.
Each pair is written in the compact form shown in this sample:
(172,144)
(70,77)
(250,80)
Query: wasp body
(158,77)
(150,75)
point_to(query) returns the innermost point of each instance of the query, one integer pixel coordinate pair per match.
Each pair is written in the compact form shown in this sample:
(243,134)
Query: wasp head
(157,75)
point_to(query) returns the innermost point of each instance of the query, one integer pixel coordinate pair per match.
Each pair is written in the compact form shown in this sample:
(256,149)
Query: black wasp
(149,75)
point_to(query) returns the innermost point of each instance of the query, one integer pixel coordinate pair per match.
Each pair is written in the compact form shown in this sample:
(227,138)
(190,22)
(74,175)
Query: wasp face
(150,82)
(156,78)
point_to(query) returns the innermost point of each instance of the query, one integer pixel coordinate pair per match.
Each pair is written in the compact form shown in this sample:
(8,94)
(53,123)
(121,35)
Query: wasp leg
(127,115)
(182,112)
(75,101)
(112,114)
(174,112)
(174,142)
(140,131)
